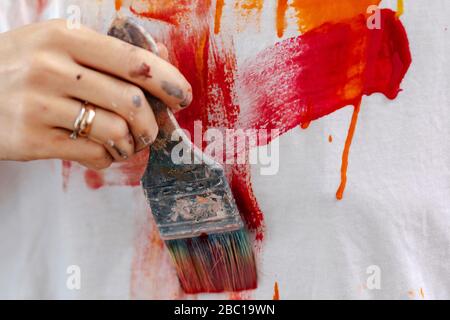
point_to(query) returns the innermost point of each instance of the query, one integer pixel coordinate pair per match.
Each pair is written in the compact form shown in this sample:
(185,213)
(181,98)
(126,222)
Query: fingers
(122,98)
(108,129)
(90,154)
(139,66)
(163,52)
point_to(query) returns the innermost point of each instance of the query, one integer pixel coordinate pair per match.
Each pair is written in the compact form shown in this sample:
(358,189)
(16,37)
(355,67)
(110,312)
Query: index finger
(131,63)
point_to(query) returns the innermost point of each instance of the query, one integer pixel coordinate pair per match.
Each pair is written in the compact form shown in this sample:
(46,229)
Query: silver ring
(77,123)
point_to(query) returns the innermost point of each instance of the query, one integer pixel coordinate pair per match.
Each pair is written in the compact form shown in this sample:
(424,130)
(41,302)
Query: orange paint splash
(250,4)
(400,8)
(312,13)
(171,12)
(218,16)
(345,155)
(330,138)
(305,125)
(118,4)
(248,11)
(276,292)
(282,6)
(422,294)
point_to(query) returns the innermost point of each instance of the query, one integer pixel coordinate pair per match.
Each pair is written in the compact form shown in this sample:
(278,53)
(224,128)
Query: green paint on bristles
(215,262)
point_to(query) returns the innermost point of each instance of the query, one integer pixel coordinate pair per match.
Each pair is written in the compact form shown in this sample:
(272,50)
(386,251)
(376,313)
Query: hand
(48,71)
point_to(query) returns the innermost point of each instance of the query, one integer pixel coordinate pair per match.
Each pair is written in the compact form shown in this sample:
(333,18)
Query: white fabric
(395,213)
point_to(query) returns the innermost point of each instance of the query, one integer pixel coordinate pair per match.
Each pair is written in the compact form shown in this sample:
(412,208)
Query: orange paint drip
(276,292)
(218,17)
(400,8)
(345,155)
(118,4)
(312,13)
(305,125)
(330,138)
(250,4)
(422,294)
(282,7)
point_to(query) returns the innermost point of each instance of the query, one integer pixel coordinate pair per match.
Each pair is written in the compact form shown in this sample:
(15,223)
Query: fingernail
(187,100)
(121,153)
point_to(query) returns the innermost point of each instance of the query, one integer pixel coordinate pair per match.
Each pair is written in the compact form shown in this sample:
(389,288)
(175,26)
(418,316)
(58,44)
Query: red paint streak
(143,71)
(345,154)
(41,5)
(66,168)
(94,179)
(305,78)
(276,292)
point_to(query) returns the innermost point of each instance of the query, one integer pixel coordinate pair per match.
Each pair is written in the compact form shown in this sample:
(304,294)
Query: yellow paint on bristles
(400,8)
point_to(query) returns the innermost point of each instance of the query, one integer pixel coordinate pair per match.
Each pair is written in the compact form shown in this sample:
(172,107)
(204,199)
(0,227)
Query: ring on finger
(87,121)
(77,123)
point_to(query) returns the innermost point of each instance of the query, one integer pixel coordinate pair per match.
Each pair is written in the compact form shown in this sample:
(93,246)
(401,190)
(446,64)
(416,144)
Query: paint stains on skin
(346,153)
(172,90)
(282,7)
(137,101)
(144,71)
(276,292)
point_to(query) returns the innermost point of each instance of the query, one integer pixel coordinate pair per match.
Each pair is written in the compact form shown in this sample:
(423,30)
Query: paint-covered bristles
(215,263)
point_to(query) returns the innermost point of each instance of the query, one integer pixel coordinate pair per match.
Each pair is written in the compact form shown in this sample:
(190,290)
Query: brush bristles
(215,263)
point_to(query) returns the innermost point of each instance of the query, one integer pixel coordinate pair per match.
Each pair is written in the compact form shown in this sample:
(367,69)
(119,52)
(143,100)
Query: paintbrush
(192,203)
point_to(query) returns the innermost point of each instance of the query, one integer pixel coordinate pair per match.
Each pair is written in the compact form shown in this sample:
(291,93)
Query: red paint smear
(218,67)
(305,78)
(143,71)
(294,82)
(276,292)
(41,5)
(66,167)
(94,179)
